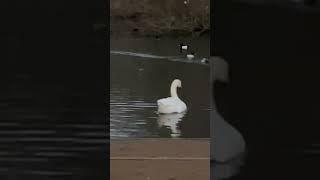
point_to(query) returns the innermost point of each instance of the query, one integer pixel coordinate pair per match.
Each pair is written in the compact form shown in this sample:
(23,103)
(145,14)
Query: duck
(228,141)
(183,47)
(172,104)
(204,60)
(190,56)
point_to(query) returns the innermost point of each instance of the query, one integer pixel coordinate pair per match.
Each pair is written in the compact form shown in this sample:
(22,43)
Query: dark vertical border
(212,33)
(211,26)
(220,13)
(107,15)
(39,32)
(219,37)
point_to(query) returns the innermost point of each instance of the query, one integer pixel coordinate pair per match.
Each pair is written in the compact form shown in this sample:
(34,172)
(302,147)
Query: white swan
(172,104)
(228,143)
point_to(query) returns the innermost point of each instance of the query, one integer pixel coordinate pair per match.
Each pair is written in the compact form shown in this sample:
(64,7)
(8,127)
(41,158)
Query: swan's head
(176,83)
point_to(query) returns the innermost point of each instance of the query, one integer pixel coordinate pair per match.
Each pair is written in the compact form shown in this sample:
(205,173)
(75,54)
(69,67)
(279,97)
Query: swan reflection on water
(228,147)
(170,122)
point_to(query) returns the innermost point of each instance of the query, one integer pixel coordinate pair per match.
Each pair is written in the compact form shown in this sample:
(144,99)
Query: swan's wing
(167,101)
(171,105)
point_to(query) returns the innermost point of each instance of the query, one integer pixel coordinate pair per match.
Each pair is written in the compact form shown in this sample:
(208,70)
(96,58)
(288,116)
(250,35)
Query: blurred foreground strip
(160,159)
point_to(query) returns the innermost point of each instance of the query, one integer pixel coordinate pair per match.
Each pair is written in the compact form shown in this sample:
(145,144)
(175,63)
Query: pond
(53,122)
(142,70)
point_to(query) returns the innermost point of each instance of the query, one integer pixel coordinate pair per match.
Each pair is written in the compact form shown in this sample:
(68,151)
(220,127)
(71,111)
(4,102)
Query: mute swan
(228,143)
(171,121)
(172,104)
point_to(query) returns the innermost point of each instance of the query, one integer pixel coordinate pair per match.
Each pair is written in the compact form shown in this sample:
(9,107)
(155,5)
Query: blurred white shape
(171,121)
(228,143)
(226,170)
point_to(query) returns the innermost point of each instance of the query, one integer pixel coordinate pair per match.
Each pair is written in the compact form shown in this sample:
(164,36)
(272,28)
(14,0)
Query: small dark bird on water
(183,47)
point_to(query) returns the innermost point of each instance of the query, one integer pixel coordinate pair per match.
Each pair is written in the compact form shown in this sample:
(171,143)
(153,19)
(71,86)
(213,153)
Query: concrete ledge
(160,159)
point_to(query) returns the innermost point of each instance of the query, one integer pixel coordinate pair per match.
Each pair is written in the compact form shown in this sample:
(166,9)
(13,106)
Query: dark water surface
(50,129)
(138,82)
(52,107)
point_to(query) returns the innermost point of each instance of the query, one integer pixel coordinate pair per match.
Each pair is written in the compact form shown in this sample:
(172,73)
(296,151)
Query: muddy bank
(160,170)
(157,18)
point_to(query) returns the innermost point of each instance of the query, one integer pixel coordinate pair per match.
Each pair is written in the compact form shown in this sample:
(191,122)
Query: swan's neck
(173,90)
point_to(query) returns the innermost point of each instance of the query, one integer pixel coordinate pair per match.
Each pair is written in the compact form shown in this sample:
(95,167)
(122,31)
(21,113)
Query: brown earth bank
(160,170)
(157,18)
(160,159)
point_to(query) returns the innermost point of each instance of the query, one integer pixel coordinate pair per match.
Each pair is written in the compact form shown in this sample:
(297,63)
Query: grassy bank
(159,17)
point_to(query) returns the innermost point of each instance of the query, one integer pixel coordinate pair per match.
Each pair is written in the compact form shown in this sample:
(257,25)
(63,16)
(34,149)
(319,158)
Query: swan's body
(172,104)
(226,170)
(228,143)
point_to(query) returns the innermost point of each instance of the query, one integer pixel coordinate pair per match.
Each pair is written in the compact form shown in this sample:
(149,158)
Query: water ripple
(150,56)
